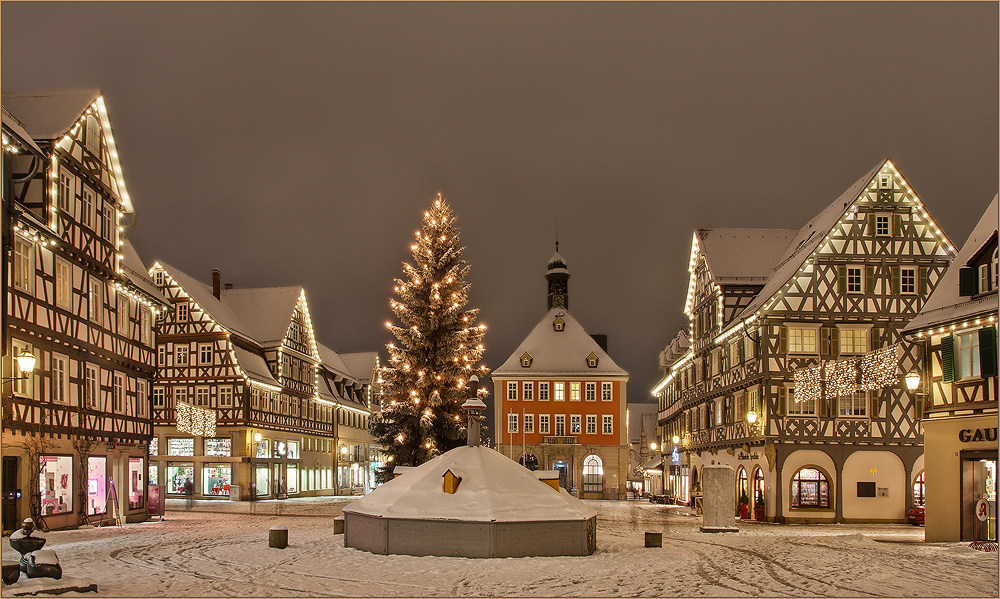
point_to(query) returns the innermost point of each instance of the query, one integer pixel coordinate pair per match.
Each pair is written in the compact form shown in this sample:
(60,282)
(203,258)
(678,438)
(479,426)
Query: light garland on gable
(197,421)
(879,368)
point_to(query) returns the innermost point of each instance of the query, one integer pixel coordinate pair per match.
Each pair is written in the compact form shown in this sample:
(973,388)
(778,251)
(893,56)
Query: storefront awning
(653,464)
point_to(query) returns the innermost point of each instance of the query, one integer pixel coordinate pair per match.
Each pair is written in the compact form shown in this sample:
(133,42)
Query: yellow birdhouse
(451,482)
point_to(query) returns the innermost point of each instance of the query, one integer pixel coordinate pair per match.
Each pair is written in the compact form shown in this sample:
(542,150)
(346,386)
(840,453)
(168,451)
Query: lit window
(806,407)
(907,280)
(24,260)
(853,341)
(574,391)
(528,391)
(560,391)
(801,340)
(810,488)
(967,363)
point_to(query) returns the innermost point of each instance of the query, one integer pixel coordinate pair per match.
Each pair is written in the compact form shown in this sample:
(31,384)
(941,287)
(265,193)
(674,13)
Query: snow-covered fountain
(470,502)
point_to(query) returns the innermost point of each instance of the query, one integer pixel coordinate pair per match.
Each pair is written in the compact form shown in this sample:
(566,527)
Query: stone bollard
(338,525)
(277,537)
(654,539)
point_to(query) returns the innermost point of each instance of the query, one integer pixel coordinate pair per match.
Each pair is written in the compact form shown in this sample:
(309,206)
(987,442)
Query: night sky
(300,143)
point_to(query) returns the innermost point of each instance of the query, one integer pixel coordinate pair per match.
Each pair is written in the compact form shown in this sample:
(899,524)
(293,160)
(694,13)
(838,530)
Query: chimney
(229,285)
(216,282)
(602,340)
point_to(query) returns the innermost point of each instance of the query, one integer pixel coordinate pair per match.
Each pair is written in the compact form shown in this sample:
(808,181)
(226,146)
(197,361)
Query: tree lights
(437,343)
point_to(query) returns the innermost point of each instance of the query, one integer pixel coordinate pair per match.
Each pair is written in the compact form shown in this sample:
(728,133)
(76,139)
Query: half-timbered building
(244,405)
(75,428)
(561,400)
(957,384)
(348,379)
(792,377)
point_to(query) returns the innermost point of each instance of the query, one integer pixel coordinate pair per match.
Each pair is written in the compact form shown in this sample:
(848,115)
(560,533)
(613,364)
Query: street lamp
(912,381)
(25,365)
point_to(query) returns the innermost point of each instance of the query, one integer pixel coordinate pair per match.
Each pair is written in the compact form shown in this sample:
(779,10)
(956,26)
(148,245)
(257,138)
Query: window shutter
(842,278)
(871,224)
(825,347)
(922,283)
(895,280)
(822,405)
(835,342)
(988,352)
(783,340)
(875,338)
(782,399)
(966,281)
(869,280)
(897,225)
(947,359)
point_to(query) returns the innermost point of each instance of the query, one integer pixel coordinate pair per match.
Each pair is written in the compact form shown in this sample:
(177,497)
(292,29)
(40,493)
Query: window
(96,300)
(739,406)
(560,425)
(158,278)
(919,490)
(145,326)
(511,423)
(574,391)
(161,355)
(801,340)
(607,424)
(543,424)
(90,386)
(24,260)
(158,397)
(574,424)
(528,390)
(60,378)
(181,355)
(590,392)
(529,423)
(182,312)
(22,386)
(560,392)
(885,181)
(201,396)
(854,404)
(853,340)
(605,391)
(64,284)
(882,225)
(141,397)
(717,411)
(855,279)
(122,313)
(907,280)
(985,280)
(205,353)
(56,484)
(67,188)
(967,363)
(810,489)
(181,446)
(593,474)
(180,394)
(107,231)
(806,407)
(511,391)
(543,391)
(591,424)
(118,393)
(87,207)
(226,397)
(93,138)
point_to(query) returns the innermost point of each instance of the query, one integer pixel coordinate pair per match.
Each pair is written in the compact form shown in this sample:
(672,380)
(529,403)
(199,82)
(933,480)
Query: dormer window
(559,324)
(885,181)
(592,360)
(526,360)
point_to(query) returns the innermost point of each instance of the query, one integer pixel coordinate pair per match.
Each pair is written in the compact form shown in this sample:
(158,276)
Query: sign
(980,434)
(983,509)
(155,500)
(745,456)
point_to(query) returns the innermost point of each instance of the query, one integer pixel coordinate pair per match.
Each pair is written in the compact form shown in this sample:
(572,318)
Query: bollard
(277,537)
(338,525)
(654,539)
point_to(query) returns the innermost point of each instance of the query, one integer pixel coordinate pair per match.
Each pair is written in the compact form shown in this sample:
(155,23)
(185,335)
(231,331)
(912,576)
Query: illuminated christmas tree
(439,347)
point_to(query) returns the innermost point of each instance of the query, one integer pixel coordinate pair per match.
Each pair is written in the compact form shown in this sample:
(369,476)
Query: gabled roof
(559,352)
(333,361)
(743,255)
(265,311)
(50,115)
(255,366)
(136,274)
(203,296)
(361,365)
(945,305)
(16,127)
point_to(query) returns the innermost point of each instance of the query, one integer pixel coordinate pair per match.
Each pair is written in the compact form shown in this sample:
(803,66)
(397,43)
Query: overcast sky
(300,143)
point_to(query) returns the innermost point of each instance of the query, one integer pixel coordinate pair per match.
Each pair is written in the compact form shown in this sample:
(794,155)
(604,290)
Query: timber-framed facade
(75,429)
(792,375)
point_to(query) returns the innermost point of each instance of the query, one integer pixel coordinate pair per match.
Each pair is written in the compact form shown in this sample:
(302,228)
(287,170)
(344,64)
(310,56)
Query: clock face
(557,300)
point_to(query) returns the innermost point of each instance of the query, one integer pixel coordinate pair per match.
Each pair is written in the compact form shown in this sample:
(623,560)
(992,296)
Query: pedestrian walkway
(300,506)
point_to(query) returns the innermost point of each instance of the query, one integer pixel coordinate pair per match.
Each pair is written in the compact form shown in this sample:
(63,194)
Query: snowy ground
(220,549)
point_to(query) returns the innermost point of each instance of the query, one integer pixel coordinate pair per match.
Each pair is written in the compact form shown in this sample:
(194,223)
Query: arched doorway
(742,494)
(919,489)
(593,475)
(529,461)
(563,469)
(758,497)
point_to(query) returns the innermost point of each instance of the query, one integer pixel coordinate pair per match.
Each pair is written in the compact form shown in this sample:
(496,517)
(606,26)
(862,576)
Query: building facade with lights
(76,297)
(244,404)
(561,401)
(957,383)
(793,374)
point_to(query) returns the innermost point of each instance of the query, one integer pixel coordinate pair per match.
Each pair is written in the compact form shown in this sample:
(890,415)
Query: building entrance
(10,494)
(979,496)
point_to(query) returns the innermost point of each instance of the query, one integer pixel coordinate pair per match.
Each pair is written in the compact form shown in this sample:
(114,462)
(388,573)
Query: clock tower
(558,281)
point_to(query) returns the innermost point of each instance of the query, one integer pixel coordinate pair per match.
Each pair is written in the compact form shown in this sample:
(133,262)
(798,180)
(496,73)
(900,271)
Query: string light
(842,377)
(196,421)
(879,368)
(808,383)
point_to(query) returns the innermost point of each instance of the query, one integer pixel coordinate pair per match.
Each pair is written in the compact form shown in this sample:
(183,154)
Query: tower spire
(558,280)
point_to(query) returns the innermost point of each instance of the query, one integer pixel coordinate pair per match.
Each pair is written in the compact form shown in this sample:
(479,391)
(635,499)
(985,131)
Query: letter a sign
(983,510)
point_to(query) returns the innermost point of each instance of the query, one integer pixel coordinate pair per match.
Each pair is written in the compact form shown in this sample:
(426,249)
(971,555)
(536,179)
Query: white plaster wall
(888,473)
(816,459)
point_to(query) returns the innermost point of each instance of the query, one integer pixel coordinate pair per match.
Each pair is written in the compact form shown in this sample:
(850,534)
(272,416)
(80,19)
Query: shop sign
(983,509)
(745,456)
(980,434)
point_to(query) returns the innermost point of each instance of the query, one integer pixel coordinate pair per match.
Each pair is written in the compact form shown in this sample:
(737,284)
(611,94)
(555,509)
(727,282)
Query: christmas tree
(439,347)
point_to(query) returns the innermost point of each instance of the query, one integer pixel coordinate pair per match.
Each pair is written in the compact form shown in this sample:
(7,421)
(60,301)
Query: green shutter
(895,280)
(988,352)
(824,341)
(922,280)
(869,280)
(835,342)
(782,400)
(947,359)
(966,281)
(783,340)
(842,279)
(871,224)
(875,338)
(897,225)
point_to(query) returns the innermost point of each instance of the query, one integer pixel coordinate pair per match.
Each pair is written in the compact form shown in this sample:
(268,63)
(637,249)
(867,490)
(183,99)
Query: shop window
(217,478)
(593,474)
(263,448)
(136,486)
(154,450)
(97,485)
(180,446)
(221,447)
(810,489)
(56,484)
(293,478)
(293,450)
(154,474)
(263,476)
(180,476)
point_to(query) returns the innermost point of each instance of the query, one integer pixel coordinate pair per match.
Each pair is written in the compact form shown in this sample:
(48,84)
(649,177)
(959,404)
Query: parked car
(915,515)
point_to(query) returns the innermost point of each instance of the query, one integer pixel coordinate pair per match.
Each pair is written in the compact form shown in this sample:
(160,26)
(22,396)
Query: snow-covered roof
(559,352)
(493,488)
(135,271)
(255,366)
(16,127)
(945,305)
(557,263)
(203,296)
(361,365)
(50,115)
(334,362)
(265,311)
(743,255)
